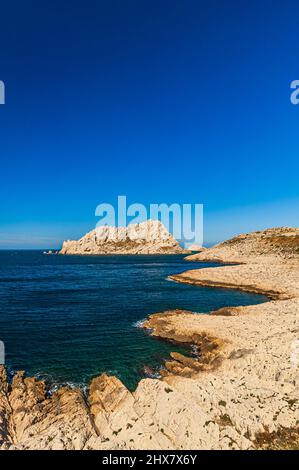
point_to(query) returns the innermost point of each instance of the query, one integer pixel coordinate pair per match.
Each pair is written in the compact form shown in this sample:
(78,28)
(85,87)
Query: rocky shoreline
(149,237)
(241,391)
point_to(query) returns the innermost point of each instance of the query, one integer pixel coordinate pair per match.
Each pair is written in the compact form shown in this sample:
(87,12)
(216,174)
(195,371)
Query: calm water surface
(69,318)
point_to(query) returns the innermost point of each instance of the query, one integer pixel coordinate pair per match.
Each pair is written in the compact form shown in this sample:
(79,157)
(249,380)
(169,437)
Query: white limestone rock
(150,237)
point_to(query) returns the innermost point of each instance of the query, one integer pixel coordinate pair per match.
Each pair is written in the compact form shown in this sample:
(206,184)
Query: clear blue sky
(164,101)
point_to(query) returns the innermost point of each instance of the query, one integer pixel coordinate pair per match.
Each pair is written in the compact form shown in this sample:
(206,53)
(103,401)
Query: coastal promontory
(150,237)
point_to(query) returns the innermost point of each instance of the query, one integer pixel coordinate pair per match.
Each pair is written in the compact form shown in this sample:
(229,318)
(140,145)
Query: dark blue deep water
(69,318)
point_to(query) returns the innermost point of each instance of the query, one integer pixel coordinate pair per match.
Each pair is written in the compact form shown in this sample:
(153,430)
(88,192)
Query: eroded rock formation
(271,244)
(150,237)
(240,391)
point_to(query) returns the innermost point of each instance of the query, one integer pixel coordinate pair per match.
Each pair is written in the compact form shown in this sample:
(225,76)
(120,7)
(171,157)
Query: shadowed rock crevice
(282,439)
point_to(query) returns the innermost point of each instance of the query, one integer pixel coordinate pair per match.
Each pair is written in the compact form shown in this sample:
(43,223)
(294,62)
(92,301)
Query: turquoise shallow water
(69,318)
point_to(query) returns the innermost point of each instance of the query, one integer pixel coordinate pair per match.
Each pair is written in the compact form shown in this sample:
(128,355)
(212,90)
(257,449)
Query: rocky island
(150,237)
(241,391)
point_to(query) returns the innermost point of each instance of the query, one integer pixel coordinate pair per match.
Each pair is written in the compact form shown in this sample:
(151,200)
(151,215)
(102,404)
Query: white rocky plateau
(195,247)
(150,237)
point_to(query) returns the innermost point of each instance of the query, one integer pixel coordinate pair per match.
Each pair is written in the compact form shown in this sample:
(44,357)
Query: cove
(69,318)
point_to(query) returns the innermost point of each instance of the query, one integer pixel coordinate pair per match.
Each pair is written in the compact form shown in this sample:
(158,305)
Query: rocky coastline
(240,391)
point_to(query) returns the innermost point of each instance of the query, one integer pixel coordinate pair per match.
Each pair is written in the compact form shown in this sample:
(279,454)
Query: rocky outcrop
(207,349)
(271,244)
(238,391)
(150,237)
(196,248)
(5,410)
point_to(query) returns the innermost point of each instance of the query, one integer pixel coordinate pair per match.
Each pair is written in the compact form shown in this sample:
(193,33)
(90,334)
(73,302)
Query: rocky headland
(196,247)
(150,237)
(240,390)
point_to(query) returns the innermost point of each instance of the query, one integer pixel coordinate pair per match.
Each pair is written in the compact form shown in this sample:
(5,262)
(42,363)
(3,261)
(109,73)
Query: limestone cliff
(281,243)
(150,237)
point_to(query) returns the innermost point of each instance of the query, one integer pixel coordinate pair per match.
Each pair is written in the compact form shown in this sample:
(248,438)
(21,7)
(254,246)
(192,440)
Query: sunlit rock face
(150,237)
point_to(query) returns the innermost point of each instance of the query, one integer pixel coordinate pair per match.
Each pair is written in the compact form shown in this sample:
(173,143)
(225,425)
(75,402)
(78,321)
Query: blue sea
(69,318)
